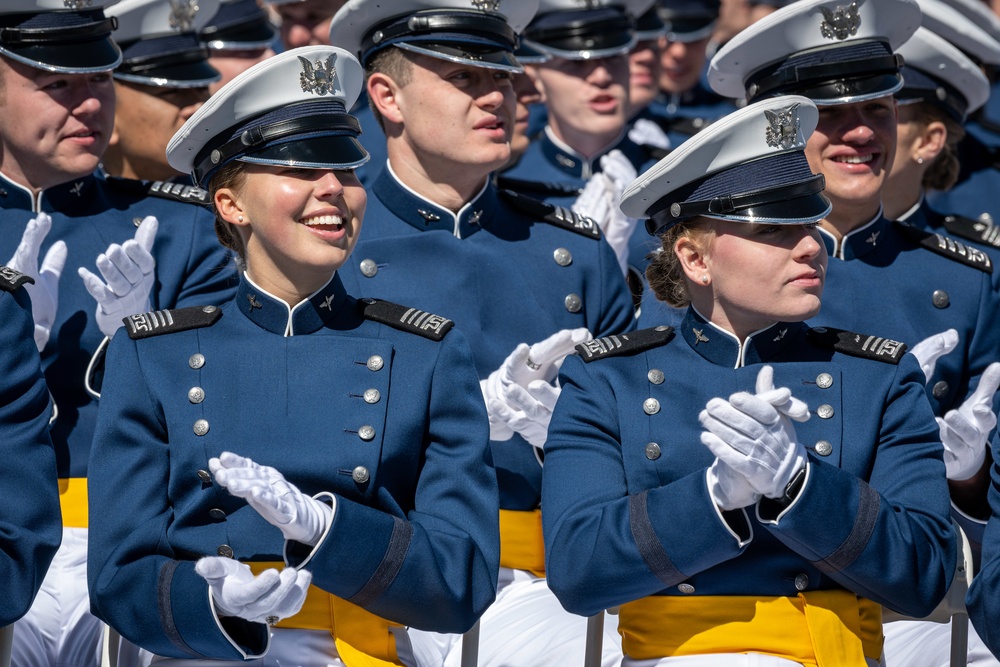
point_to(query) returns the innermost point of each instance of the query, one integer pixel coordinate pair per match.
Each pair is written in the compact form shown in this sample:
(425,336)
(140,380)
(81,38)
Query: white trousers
(58,630)
(289,648)
(926,644)
(723,660)
(525,627)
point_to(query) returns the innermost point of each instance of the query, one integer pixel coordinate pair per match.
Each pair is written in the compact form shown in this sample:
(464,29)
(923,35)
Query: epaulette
(947,247)
(537,188)
(624,344)
(414,320)
(159,322)
(10,279)
(979,231)
(560,216)
(858,345)
(190,194)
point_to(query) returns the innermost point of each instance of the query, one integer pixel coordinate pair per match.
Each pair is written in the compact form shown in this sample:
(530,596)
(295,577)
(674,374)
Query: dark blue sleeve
(30,523)
(983,599)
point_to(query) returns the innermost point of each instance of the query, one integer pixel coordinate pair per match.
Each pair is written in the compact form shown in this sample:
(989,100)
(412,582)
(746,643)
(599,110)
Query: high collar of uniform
(571,162)
(273,314)
(724,349)
(62,197)
(858,242)
(425,215)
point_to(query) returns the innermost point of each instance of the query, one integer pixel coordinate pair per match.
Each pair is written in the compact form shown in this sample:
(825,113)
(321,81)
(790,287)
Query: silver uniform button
(360,475)
(369,268)
(801,582)
(662,328)
(686,588)
(216,513)
(209,309)
(196,394)
(201,427)
(225,551)
(940,298)
(652,451)
(205,476)
(366,433)
(573,303)
(372,396)
(196,361)
(375,363)
(824,380)
(825,411)
(651,406)
(824,448)
(655,376)
(940,389)
(563,257)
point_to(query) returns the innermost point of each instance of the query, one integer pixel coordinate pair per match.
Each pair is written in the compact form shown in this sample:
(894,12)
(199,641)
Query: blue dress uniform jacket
(983,601)
(391,422)
(625,476)
(89,214)
(981,234)
(504,276)
(30,529)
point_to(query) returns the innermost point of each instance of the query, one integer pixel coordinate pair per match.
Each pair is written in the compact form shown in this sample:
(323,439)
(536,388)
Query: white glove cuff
(329,503)
(959,469)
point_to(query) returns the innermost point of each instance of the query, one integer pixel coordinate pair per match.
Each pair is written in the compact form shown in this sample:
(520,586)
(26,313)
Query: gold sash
(362,638)
(816,629)
(73,501)
(521,543)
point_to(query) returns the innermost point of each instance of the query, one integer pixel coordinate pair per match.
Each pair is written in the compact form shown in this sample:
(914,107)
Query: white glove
(932,348)
(266,598)
(647,133)
(525,366)
(298,517)
(44,292)
(528,411)
(128,278)
(965,431)
(754,435)
(729,489)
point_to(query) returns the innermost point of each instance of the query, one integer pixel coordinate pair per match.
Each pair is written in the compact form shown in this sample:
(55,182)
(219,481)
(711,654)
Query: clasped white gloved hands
(520,395)
(754,442)
(600,201)
(266,598)
(299,517)
(964,432)
(44,292)
(128,278)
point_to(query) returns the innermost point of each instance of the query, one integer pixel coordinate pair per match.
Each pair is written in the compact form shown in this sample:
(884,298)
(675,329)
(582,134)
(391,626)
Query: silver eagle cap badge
(783,127)
(486,5)
(77,4)
(319,77)
(182,14)
(842,21)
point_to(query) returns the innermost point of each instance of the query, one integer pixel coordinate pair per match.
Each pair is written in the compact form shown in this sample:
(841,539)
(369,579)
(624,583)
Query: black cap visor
(178,70)
(81,48)
(254,34)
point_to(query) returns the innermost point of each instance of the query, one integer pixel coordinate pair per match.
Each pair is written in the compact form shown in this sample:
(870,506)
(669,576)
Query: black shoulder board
(858,345)
(159,322)
(10,279)
(537,188)
(977,231)
(947,246)
(190,194)
(560,216)
(624,344)
(404,318)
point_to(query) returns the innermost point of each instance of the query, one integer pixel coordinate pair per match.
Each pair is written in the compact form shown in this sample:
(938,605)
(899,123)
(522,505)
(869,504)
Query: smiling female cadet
(727,534)
(372,409)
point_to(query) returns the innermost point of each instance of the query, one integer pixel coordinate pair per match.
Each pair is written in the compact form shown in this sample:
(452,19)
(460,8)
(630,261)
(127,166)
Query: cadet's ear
(383,93)
(692,253)
(230,208)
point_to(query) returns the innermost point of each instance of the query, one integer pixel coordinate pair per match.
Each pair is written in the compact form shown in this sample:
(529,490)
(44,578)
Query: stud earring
(240,218)
(704,279)
(920,160)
